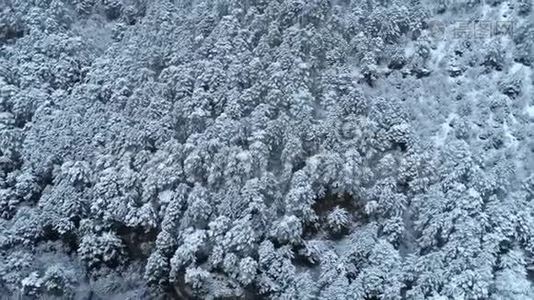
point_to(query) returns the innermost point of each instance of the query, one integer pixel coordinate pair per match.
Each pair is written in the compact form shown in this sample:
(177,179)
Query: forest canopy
(266,149)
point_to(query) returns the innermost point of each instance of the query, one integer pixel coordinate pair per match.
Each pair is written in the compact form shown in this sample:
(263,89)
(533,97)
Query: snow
(445,128)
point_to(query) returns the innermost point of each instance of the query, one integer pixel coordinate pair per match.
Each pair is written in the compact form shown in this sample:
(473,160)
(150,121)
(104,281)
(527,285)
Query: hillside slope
(277,149)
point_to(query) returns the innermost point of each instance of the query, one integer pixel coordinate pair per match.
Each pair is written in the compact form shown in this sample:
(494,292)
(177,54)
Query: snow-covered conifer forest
(267,149)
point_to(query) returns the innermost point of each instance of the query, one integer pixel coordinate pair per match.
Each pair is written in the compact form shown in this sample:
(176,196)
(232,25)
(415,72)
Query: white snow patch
(508,134)
(527,88)
(440,138)
(165,196)
(530,111)
(438,54)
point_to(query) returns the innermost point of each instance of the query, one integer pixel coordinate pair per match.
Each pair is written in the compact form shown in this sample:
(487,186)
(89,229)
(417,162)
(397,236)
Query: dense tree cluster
(277,149)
